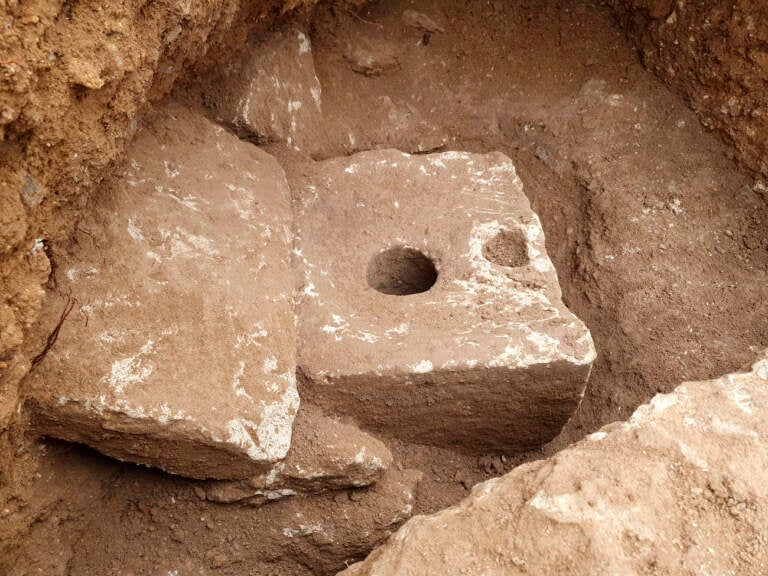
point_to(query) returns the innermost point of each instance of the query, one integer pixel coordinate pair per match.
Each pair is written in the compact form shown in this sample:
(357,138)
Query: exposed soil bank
(716,55)
(659,239)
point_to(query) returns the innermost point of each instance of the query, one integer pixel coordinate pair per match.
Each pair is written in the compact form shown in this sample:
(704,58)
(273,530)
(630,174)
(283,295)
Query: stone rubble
(273,93)
(325,455)
(397,124)
(371,515)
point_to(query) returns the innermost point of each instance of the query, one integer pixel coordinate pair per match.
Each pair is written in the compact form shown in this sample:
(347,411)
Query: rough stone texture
(715,54)
(489,352)
(370,60)
(180,351)
(371,515)
(272,93)
(325,454)
(73,78)
(680,488)
(393,119)
(394,123)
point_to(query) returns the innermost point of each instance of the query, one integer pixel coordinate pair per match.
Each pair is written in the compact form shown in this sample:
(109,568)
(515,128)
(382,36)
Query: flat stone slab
(272,93)
(180,352)
(428,306)
(325,455)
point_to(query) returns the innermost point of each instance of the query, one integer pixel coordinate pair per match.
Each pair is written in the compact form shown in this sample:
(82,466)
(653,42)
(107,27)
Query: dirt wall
(715,54)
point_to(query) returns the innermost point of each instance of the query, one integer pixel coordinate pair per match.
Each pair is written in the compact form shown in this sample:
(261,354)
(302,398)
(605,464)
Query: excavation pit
(658,235)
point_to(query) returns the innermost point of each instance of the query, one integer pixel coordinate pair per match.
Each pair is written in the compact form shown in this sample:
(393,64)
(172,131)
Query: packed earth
(383,288)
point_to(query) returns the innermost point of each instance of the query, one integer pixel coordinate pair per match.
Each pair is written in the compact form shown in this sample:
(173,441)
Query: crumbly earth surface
(480,356)
(658,238)
(716,55)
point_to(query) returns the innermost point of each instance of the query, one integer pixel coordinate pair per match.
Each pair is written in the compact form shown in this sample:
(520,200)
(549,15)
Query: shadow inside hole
(401,271)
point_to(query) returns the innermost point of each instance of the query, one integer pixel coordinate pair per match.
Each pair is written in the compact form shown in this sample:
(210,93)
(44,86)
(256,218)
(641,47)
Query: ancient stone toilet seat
(428,307)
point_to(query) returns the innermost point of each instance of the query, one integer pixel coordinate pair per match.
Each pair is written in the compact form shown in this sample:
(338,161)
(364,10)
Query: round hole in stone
(401,271)
(507,248)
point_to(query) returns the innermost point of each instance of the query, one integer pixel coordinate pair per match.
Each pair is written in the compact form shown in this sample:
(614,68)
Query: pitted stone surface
(180,352)
(325,455)
(273,93)
(487,359)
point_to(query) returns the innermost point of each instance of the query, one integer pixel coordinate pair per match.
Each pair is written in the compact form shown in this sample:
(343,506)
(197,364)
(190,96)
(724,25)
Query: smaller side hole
(508,248)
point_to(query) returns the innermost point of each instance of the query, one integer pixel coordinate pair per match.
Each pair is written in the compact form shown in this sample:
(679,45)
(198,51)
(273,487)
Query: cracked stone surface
(486,359)
(180,352)
(325,455)
(680,488)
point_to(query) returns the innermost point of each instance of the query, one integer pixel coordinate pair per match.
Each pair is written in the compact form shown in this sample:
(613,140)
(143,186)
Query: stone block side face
(273,93)
(478,411)
(488,347)
(325,455)
(180,351)
(680,488)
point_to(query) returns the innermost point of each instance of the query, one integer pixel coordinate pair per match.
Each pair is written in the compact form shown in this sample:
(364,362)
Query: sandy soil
(658,238)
